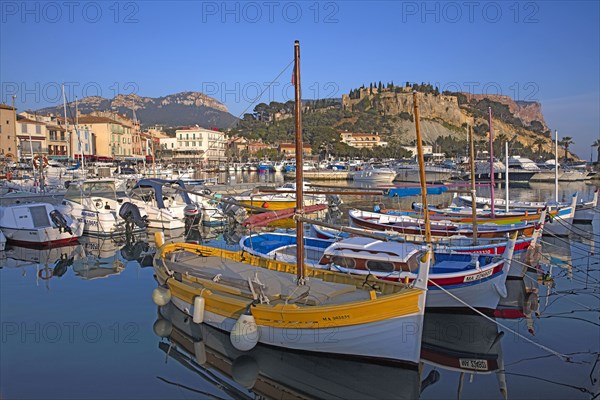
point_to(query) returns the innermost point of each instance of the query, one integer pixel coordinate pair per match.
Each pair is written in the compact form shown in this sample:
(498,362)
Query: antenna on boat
(473,189)
(299,167)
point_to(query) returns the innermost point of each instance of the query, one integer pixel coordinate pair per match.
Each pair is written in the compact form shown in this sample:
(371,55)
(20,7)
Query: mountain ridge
(173,110)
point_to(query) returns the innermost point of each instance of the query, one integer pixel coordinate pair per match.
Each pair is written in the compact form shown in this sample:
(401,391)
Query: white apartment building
(198,145)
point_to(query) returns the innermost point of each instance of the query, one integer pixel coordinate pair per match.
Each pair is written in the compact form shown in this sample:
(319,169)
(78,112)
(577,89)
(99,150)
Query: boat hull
(376,340)
(41,237)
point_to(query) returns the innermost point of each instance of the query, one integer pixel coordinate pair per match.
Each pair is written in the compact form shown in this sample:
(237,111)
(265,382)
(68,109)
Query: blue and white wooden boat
(477,280)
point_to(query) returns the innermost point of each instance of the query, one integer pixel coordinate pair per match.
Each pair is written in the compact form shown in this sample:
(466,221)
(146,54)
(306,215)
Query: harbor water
(78,322)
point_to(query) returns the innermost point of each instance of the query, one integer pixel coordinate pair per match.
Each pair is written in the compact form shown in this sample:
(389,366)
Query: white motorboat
(95,203)
(166,208)
(39,224)
(372,173)
(521,169)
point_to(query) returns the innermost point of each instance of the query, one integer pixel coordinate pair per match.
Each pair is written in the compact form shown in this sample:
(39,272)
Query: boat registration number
(470,363)
(481,275)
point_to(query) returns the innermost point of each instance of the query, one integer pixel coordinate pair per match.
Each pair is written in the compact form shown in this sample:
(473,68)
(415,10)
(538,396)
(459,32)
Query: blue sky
(547,51)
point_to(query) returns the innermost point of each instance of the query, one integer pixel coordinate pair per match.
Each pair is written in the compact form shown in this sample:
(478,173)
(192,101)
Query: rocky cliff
(449,114)
(186,108)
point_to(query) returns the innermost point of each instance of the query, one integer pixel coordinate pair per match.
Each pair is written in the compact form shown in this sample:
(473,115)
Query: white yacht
(372,173)
(521,169)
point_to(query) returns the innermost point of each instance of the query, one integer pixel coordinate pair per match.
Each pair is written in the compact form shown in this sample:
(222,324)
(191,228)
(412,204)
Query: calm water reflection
(79,322)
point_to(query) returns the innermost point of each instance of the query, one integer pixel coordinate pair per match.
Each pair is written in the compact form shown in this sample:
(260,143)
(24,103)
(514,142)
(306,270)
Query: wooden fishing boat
(278,201)
(409,225)
(464,214)
(476,279)
(287,305)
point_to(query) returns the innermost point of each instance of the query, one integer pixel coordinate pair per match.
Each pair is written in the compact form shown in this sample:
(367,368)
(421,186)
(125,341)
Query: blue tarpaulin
(413,191)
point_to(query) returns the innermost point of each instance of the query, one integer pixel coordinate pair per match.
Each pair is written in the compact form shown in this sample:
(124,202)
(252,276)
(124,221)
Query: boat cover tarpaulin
(413,191)
(267,217)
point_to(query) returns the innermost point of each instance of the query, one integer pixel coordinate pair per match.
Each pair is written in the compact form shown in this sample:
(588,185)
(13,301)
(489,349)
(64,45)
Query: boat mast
(66,122)
(506,173)
(299,167)
(492,184)
(422,168)
(473,189)
(556,165)
(78,134)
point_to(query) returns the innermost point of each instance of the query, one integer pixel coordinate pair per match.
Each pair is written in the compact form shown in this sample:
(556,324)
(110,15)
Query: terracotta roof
(22,119)
(91,119)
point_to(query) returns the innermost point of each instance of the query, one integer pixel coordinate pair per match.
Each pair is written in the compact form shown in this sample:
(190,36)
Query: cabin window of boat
(380,266)
(73,194)
(39,216)
(99,189)
(344,262)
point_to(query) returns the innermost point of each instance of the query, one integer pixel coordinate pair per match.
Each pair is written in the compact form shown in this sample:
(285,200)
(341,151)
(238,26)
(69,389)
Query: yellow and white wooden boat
(258,300)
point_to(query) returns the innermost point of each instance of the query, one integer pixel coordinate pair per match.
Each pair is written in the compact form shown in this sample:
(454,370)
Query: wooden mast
(421,160)
(299,167)
(492,184)
(473,190)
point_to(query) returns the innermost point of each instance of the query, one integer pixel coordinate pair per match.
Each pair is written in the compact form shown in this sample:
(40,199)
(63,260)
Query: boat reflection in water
(522,300)
(463,342)
(47,262)
(269,372)
(467,343)
(108,256)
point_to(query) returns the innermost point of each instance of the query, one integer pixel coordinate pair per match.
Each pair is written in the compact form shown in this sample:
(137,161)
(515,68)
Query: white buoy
(244,335)
(198,315)
(161,296)
(200,352)
(162,327)
(245,370)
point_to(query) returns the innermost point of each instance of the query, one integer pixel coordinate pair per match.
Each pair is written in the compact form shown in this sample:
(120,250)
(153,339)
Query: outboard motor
(192,216)
(237,213)
(133,251)
(61,266)
(333,200)
(131,214)
(60,222)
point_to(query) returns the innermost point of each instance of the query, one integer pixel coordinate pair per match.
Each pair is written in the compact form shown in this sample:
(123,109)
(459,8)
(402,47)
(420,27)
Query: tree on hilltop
(566,142)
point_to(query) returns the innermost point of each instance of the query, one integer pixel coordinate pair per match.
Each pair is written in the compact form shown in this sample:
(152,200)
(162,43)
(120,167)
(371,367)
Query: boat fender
(200,352)
(159,239)
(198,315)
(8,176)
(412,206)
(161,296)
(162,327)
(245,333)
(265,204)
(244,370)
